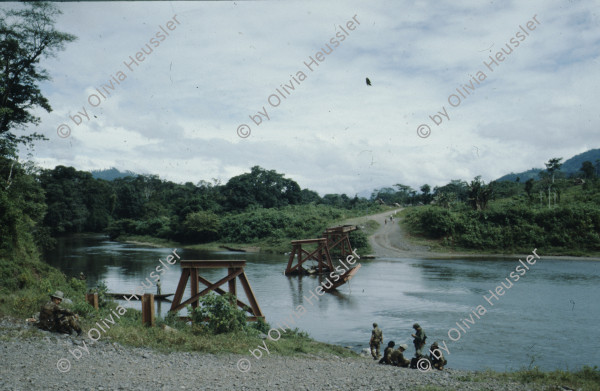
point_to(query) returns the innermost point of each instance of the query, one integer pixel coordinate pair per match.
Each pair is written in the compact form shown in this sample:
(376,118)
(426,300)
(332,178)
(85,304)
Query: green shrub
(219,314)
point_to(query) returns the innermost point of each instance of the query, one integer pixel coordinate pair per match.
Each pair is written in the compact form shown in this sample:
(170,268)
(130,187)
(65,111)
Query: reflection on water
(550,315)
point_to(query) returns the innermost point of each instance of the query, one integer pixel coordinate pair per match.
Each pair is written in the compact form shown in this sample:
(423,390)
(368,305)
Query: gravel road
(31,364)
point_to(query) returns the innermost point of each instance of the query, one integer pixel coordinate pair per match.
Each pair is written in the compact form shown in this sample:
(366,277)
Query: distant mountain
(111,173)
(570,166)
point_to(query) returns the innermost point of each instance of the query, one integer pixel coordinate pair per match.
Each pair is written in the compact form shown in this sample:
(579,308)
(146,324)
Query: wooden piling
(148,309)
(92,299)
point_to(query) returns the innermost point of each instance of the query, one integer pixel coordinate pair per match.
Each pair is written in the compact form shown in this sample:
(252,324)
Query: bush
(219,314)
(574,227)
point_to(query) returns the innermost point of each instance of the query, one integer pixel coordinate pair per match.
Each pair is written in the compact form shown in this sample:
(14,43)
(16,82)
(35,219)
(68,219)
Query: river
(549,318)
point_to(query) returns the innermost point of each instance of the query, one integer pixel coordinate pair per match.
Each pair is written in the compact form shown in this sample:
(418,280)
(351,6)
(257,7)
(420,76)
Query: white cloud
(176,114)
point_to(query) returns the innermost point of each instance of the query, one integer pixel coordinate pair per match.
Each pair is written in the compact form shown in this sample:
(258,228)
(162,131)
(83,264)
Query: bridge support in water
(320,254)
(235,268)
(338,241)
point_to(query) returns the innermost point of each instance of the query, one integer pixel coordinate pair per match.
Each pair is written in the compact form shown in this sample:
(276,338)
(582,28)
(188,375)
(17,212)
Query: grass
(587,378)
(180,336)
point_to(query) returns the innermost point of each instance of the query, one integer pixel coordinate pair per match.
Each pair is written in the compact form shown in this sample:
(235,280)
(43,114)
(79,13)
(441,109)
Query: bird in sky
(368,82)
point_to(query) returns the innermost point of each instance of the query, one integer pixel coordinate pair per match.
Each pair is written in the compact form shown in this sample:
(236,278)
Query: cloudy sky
(177,112)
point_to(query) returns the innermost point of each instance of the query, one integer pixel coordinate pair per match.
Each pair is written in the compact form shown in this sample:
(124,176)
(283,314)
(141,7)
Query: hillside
(111,174)
(569,167)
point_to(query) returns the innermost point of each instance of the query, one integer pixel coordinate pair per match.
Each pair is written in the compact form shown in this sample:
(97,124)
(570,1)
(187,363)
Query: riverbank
(31,356)
(391,240)
(386,240)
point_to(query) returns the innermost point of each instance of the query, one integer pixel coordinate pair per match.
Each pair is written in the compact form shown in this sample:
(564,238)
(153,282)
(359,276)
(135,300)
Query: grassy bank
(272,230)
(587,378)
(27,283)
(571,229)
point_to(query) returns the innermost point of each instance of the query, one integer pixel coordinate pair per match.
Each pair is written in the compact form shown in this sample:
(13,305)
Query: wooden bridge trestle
(320,254)
(337,238)
(189,271)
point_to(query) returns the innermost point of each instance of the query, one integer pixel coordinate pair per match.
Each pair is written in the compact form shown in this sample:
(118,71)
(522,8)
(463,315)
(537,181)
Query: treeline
(249,207)
(557,213)
(458,190)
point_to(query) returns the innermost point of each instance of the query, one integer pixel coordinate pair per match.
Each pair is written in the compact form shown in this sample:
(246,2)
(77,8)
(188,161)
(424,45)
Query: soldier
(419,339)
(158,286)
(398,358)
(437,357)
(376,340)
(55,318)
(387,354)
(82,276)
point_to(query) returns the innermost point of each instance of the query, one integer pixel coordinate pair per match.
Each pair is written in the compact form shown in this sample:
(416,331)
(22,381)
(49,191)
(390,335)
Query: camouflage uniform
(55,318)
(387,354)
(398,358)
(376,340)
(419,339)
(437,360)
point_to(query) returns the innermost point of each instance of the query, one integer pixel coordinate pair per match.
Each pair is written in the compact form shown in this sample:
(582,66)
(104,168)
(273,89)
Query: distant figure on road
(55,318)
(419,339)
(376,340)
(398,357)
(387,354)
(158,285)
(437,357)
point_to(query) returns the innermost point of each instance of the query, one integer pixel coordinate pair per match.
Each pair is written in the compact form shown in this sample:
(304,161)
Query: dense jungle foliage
(559,214)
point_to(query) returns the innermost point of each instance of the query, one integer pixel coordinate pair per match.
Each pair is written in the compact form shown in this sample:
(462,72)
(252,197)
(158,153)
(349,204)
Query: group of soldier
(55,318)
(396,357)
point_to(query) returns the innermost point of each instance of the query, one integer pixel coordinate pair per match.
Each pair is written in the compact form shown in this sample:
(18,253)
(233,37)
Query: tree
(265,188)
(426,196)
(456,187)
(26,36)
(552,167)
(588,169)
(529,188)
(22,209)
(307,196)
(201,227)
(479,193)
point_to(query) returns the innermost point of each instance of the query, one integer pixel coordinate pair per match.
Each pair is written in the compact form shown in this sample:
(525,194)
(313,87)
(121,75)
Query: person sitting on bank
(437,357)
(55,318)
(419,339)
(397,357)
(387,354)
(375,341)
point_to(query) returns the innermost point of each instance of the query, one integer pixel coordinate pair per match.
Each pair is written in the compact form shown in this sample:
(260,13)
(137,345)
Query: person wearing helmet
(397,357)
(387,353)
(437,357)
(376,340)
(419,339)
(55,318)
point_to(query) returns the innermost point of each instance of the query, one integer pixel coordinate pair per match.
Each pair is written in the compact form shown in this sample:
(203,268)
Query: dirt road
(389,240)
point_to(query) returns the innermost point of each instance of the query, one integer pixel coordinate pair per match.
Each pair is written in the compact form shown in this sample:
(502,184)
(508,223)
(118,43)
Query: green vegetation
(587,378)
(261,209)
(561,215)
(35,205)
